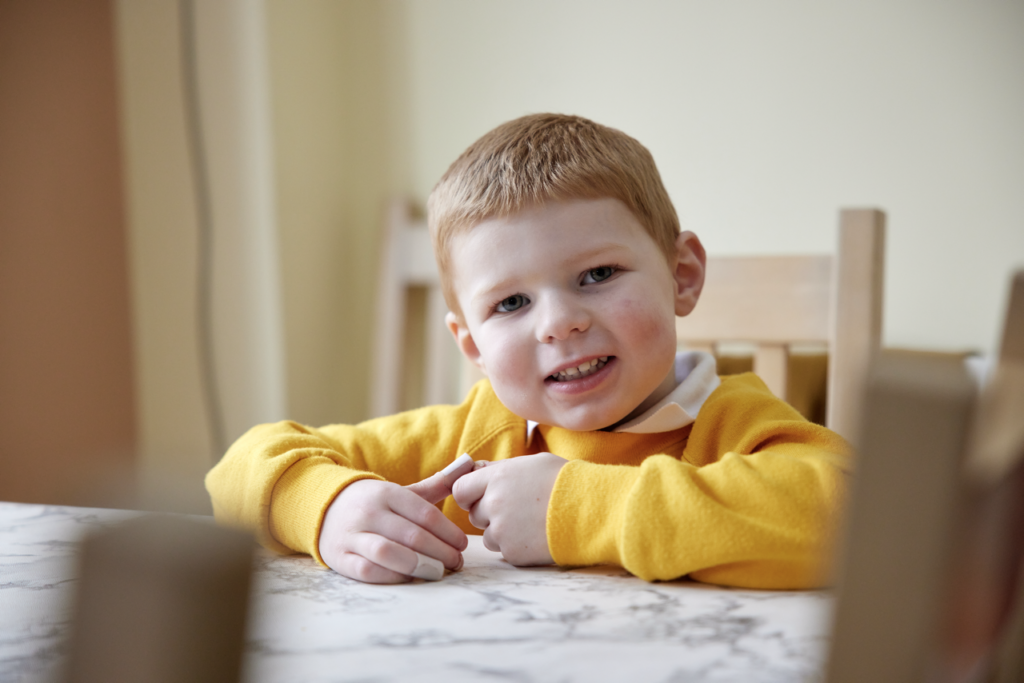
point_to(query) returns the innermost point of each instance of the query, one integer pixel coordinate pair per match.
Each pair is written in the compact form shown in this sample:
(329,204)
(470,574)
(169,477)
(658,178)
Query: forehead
(543,224)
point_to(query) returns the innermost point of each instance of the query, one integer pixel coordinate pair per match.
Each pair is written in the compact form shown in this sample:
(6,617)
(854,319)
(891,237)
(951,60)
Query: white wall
(766,118)
(334,74)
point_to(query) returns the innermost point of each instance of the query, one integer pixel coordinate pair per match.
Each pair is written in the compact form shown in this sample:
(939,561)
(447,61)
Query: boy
(564,268)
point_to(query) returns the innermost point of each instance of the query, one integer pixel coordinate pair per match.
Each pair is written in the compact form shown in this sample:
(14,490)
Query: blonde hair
(539,158)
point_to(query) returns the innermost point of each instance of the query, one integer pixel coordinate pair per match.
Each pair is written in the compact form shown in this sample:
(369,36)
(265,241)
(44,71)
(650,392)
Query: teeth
(582,370)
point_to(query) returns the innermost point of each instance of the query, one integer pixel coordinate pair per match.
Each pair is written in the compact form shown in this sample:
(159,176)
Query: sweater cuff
(586,512)
(301,498)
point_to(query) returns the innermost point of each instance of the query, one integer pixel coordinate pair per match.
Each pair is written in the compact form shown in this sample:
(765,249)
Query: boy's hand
(509,501)
(373,529)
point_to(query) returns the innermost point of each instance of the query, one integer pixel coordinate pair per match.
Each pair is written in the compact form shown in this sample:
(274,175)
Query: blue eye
(598,274)
(512,303)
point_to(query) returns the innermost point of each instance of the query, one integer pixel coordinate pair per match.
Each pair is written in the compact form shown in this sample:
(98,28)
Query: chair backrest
(775,302)
(930,575)
(412,344)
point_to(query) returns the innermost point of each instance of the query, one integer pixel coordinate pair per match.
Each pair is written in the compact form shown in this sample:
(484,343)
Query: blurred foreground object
(987,608)
(161,599)
(930,584)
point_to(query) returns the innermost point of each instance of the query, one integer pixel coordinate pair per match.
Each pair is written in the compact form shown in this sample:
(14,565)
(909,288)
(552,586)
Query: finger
(386,553)
(479,517)
(428,569)
(463,462)
(357,567)
(436,488)
(433,489)
(470,488)
(414,537)
(407,504)
(489,541)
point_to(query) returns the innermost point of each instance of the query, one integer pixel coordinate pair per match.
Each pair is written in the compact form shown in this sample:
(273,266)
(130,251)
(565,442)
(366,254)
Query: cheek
(510,369)
(643,323)
(503,357)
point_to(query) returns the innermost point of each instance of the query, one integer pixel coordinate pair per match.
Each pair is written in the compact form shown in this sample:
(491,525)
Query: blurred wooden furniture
(415,359)
(986,619)
(930,579)
(916,420)
(161,599)
(775,302)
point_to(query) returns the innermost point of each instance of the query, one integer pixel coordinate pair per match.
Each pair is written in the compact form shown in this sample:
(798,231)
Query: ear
(464,340)
(688,268)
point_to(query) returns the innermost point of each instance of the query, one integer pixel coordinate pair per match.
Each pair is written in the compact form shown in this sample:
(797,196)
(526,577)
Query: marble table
(490,621)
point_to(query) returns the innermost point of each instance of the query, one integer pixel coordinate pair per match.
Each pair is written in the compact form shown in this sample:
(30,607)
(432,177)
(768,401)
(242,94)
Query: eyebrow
(597,251)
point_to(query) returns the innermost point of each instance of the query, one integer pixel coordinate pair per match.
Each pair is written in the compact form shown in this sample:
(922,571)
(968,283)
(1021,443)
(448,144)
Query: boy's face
(569,308)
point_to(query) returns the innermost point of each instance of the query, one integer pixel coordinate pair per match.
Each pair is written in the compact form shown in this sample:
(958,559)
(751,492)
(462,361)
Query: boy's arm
(757,504)
(279,479)
(303,466)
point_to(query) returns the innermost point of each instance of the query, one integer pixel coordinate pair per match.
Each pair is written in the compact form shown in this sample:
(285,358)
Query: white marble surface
(490,621)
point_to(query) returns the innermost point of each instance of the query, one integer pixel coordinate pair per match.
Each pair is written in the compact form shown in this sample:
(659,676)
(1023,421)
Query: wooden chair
(775,302)
(930,582)
(416,362)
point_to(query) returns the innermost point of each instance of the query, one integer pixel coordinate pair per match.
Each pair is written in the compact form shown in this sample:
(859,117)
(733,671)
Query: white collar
(696,378)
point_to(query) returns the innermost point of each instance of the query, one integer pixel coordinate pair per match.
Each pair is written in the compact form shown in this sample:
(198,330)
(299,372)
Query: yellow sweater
(748,495)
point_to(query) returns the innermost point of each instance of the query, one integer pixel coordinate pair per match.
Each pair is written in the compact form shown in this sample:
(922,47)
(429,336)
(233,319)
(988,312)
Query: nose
(559,316)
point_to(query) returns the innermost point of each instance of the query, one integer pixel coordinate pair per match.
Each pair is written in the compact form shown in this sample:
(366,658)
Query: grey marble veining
(490,621)
(37,583)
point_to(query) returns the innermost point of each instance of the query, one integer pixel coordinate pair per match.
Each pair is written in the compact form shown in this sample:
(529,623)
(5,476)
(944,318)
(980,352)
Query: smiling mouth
(580,371)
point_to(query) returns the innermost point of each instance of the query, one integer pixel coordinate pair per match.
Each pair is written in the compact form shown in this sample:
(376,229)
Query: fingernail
(459,462)
(427,568)
(459,565)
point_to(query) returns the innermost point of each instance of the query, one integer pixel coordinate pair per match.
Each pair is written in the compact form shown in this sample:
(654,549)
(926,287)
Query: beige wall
(335,78)
(765,118)
(230,116)
(67,404)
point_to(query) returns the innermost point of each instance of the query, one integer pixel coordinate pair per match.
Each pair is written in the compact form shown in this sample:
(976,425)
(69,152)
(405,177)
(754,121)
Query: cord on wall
(204,222)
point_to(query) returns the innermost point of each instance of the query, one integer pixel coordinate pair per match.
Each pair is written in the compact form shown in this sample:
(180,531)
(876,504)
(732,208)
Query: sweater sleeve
(753,502)
(279,479)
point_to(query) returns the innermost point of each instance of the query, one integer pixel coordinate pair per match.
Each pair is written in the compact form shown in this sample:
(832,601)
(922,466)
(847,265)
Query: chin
(583,420)
(586,423)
